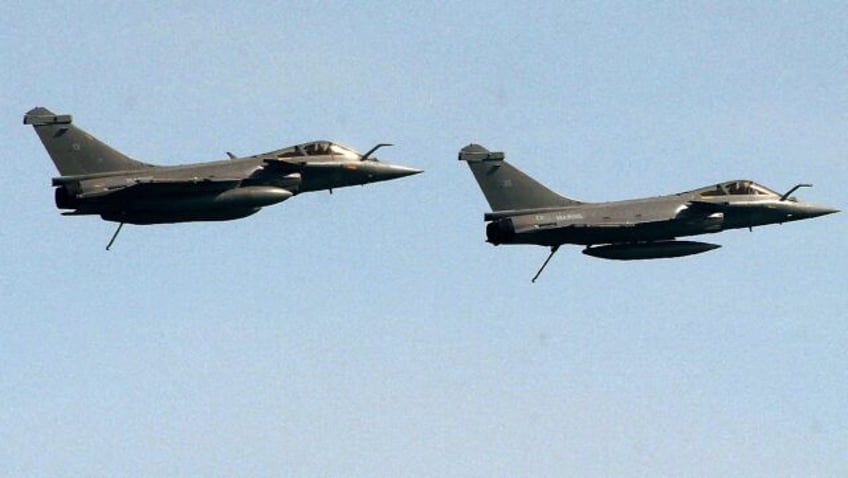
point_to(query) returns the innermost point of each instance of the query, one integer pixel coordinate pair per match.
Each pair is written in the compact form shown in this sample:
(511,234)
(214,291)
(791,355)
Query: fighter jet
(99,180)
(526,212)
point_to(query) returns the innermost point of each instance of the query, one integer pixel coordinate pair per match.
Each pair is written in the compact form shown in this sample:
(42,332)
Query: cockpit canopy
(319,148)
(737,188)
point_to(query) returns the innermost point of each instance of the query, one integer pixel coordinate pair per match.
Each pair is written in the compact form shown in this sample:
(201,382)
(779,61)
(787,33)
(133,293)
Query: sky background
(372,332)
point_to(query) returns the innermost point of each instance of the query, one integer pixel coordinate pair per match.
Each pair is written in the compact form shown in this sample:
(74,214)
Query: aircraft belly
(231,204)
(151,217)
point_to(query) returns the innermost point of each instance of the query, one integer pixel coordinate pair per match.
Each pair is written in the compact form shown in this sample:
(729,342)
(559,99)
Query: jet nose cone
(380,171)
(393,171)
(814,210)
(829,210)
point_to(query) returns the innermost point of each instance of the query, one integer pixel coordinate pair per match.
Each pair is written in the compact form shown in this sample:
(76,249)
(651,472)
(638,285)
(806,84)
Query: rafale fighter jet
(96,179)
(526,212)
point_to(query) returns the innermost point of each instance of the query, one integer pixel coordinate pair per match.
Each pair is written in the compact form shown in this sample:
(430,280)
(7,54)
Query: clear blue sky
(372,332)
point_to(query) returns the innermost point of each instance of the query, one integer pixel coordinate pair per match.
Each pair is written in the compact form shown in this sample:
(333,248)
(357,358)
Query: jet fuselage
(642,220)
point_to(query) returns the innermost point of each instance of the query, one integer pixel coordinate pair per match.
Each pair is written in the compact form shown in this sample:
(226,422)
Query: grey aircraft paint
(99,180)
(526,212)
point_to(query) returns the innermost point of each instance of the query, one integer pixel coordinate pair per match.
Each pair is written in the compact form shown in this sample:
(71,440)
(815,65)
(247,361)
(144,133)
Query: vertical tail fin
(74,151)
(505,186)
